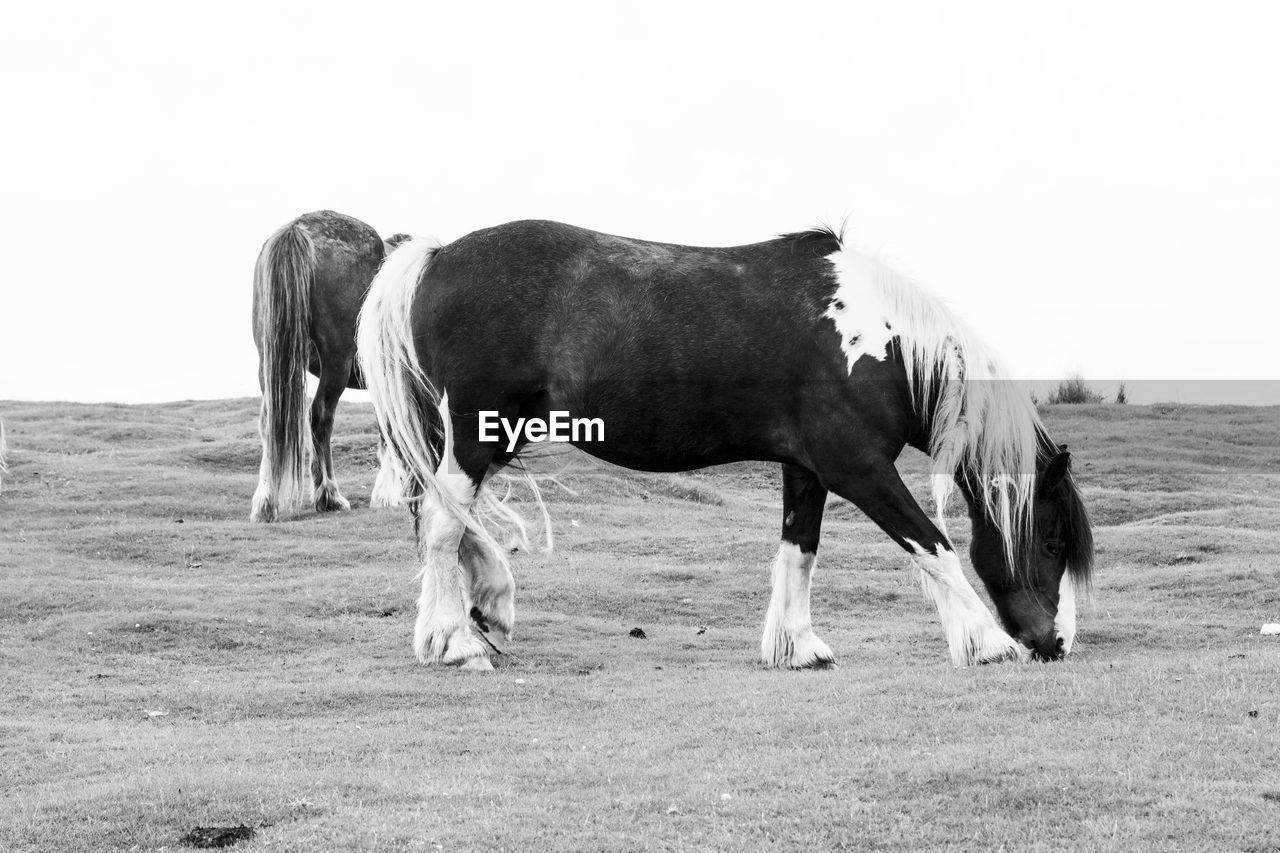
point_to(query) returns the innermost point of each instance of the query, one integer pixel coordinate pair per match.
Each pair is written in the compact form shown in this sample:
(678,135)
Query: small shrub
(1121,397)
(1073,390)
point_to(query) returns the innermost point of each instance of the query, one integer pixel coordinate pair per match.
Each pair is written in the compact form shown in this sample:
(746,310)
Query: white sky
(1095,186)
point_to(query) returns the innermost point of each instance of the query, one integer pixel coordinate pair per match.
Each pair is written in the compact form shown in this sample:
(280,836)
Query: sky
(1095,187)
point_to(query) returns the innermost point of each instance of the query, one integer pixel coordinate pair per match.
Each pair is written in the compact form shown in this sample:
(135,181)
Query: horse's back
(548,277)
(661,337)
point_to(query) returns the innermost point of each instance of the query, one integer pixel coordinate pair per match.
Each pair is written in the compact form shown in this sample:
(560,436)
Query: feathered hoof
(328,499)
(264,509)
(496,608)
(995,646)
(1006,656)
(452,645)
(799,650)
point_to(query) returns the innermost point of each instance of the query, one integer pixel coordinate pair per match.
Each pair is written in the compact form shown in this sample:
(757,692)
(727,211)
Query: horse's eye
(1053,547)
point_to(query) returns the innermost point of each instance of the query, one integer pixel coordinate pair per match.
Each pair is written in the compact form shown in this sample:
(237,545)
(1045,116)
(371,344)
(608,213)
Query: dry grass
(1073,390)
(131,582)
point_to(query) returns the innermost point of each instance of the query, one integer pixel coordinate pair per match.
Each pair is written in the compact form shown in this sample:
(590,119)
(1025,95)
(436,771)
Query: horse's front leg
(973,635)
(788,639)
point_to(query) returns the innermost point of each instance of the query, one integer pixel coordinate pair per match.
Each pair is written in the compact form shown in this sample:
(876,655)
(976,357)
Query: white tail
(413,413)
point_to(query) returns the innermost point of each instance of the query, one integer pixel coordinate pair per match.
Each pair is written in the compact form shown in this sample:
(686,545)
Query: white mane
(983,423)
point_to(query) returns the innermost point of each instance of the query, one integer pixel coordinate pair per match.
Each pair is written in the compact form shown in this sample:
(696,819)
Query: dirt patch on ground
(209,837)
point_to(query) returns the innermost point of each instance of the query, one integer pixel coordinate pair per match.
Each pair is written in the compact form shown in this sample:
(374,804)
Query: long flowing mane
(980,423)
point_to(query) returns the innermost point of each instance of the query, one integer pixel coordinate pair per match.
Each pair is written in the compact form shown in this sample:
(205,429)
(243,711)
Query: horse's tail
(282,288)
(413,414)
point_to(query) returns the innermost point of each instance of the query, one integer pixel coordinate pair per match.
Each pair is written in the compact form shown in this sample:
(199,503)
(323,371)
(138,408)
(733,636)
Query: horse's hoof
(329,500)
(452,644)
(263,515)
(1007,655)
(800,650)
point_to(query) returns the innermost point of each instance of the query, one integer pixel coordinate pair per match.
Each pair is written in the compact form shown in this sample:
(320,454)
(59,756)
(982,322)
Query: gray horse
(310,281)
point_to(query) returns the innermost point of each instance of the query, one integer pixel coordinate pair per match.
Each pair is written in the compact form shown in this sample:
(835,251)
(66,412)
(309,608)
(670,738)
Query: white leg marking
(388,488)
(1065,622)
(788,639)
(492,586)
(443,631)
(972,633)
(264,505)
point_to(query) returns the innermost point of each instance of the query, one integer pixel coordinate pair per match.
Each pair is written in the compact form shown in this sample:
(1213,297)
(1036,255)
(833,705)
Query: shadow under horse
(309,284)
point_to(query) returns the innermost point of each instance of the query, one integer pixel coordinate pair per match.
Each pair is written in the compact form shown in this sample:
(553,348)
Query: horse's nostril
(1062,644)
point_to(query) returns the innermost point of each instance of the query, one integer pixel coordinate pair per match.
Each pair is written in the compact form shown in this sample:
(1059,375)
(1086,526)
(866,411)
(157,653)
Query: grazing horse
(796,350)
(308,286)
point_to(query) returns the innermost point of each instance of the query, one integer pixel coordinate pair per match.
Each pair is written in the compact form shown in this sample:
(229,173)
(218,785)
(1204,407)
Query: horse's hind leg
(266,497)
(973,635)
(323,407)
(264,508)
(493,588)
(444,632)
(788,639)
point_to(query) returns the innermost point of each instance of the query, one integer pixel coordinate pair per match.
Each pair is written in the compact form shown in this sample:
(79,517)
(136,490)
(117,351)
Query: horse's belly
(675,432)
(650,458)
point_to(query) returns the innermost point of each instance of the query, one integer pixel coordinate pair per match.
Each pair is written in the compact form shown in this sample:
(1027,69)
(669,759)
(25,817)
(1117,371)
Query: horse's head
(1036,599)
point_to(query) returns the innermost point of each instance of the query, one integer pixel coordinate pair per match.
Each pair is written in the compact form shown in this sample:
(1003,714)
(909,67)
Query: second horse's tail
(282,294)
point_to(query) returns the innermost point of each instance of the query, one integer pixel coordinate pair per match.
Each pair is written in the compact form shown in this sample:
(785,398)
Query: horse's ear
(1055,472)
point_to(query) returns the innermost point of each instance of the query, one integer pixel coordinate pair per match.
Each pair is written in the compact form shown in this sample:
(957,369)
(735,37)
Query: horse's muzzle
(1048,647)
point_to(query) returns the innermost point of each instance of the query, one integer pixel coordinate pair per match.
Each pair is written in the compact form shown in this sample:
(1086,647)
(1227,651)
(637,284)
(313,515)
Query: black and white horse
(308,286)
(796,350)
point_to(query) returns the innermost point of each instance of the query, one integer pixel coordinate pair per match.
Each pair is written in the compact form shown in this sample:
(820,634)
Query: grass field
(166,665)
